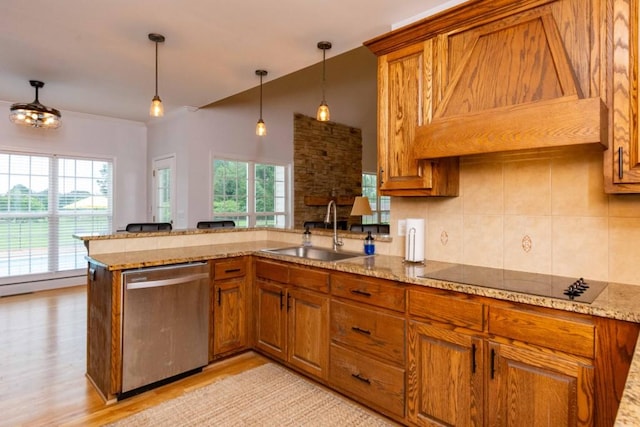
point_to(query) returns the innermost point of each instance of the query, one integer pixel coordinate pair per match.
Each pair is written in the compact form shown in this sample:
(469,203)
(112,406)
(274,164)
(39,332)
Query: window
(235,181)
(380,205)
(44,200)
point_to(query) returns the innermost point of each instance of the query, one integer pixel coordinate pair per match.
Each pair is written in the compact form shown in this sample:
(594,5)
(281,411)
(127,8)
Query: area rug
(268,395)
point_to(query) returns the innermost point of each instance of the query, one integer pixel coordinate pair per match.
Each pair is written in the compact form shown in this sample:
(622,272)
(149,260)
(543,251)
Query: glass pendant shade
(35,114)
(323,113)
(261,129)
(156,109)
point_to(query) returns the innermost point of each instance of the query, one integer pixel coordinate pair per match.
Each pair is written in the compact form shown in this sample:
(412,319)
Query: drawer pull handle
(360,330)
(219,297)
(232,270)
(361,378)
(359,292)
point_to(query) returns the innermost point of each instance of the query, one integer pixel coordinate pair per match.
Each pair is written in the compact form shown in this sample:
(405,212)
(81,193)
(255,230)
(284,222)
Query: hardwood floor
(43,365)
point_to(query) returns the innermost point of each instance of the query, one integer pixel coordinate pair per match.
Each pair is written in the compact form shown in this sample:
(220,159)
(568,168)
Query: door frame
(167,161)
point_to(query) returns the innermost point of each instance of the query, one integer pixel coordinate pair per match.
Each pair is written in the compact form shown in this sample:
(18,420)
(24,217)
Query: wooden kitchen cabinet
(530,387)
(271,319)
(228,307)
(489,76)
(445,376)
(549,376)
(622,159)
(368,341)
(474,361)
(405,101)
(445,360)
(307,331)
(292,316)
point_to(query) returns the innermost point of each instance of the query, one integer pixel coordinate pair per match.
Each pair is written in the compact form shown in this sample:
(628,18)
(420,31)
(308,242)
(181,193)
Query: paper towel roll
(414,242)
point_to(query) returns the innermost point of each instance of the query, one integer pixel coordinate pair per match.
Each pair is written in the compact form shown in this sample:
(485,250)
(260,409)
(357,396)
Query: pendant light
(156,109)
(261,129)
(35,114)
(323,114)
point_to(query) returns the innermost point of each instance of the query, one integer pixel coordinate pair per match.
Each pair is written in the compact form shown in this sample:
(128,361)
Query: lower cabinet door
(229,314)
(445,377)
(308,328)
(368,380)
(528,387)
(271,319)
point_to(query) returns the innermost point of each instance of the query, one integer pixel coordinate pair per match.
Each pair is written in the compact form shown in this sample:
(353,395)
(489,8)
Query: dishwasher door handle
(166,282)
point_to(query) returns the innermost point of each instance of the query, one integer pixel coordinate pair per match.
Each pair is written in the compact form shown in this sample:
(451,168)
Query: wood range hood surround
(507,76)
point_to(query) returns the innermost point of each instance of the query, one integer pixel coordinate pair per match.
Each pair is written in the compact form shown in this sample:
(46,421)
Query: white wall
(124,142)
(227,128)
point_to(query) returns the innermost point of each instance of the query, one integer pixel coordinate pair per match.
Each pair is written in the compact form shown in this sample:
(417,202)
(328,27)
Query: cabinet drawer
(368,330)
(378,292)
(272,271)
(368,380)
(568,334)
(230,268)
(447,307)
(310,279)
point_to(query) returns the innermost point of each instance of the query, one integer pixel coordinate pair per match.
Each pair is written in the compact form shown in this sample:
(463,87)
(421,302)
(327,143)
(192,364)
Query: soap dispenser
(306,237)
(369,246)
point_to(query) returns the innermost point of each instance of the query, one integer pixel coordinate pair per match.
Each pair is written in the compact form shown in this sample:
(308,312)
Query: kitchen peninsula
(593,341)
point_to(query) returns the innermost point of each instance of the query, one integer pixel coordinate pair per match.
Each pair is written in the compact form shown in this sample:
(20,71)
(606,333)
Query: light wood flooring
(43,365)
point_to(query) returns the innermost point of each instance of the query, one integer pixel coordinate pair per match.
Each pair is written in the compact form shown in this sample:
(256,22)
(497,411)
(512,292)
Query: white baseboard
(41,285)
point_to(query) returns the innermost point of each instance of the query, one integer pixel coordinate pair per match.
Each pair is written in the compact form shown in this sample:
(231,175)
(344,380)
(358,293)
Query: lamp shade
(361,206)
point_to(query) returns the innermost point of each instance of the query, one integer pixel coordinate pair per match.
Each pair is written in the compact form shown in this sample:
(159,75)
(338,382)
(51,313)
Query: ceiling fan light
(35,114)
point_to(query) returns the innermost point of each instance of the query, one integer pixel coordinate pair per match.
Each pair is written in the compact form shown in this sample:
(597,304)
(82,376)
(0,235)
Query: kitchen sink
(314,253)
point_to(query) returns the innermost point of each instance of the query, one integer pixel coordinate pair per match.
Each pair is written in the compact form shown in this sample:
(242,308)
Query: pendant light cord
(260,96)
(156,68)
(324,52)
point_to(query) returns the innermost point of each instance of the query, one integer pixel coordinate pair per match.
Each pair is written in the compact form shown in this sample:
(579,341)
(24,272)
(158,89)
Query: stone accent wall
(327,163)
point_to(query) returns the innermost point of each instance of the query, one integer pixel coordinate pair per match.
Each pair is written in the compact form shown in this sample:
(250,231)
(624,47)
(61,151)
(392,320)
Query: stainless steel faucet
(336,241)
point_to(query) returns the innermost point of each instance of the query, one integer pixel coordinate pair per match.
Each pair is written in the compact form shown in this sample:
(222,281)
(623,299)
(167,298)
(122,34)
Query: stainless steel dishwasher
(165,323)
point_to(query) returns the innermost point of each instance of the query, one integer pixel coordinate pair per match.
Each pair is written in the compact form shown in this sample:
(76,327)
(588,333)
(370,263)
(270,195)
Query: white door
(164,189)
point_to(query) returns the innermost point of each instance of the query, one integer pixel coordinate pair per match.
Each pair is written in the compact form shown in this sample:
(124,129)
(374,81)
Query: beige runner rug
(268,395)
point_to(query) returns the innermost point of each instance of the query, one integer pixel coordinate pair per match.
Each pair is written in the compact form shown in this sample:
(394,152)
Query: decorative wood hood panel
(512,76)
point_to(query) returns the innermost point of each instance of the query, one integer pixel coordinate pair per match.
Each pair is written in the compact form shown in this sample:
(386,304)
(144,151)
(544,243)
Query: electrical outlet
(402,227)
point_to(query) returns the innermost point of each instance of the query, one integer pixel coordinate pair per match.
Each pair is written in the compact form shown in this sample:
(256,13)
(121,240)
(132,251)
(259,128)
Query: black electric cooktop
(565,288)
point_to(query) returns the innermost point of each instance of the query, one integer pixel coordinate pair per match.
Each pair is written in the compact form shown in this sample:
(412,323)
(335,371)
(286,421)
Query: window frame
(58,180)
(378,214)
(251,215)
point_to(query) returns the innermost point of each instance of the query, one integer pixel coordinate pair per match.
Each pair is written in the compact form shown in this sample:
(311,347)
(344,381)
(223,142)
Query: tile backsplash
(545,213)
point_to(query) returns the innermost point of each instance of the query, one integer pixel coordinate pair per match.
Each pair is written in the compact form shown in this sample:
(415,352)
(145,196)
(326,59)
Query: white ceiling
(95,56)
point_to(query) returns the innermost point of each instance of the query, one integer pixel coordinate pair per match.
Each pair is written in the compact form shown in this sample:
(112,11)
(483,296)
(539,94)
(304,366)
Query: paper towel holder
(410,250)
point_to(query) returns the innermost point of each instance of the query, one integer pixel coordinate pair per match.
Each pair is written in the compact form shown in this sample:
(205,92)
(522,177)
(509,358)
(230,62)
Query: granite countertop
(617,301)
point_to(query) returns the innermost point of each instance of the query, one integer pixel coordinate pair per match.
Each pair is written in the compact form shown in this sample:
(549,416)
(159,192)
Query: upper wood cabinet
(622,159)
(405,101)
(491,76)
